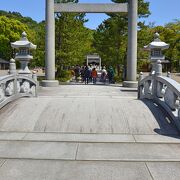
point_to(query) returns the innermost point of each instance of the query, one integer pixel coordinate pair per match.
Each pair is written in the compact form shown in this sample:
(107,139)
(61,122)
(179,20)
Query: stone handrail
(16,86)
(164,91)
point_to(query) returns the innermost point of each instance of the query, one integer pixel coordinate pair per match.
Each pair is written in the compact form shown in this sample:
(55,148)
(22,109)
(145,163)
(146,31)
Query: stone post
(132,44)
(12,71)
(34,76)
(157,87)
(141,77)
(158,68)
(50,46)
(168,74)
(12,67)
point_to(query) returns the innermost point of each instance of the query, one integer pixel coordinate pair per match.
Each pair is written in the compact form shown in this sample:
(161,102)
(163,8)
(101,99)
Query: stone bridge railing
(164,91)
(15,86)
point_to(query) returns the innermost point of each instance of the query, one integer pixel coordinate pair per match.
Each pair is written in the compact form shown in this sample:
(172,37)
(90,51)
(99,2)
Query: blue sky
(163,11)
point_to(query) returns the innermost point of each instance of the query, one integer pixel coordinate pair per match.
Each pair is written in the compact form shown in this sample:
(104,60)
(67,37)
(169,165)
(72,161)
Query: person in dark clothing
(111,75)
(87,74)
(77,72)
(82,74)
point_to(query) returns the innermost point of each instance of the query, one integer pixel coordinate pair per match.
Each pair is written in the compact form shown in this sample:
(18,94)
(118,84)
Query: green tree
(12,25)
(110,40)
(39,53)
(73,40)
(170,34)
(10,31)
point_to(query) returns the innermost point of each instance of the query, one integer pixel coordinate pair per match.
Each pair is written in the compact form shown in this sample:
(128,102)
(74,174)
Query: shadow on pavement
(166,125)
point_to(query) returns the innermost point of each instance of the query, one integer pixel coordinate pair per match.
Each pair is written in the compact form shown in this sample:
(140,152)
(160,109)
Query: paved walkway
(77,132)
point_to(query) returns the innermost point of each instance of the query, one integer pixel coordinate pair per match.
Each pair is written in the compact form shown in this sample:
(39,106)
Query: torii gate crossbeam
(130,7)
(91,8)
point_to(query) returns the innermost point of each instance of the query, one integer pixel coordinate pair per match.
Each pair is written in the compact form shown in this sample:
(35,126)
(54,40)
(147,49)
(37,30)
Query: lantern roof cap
(157,43)
(23,42)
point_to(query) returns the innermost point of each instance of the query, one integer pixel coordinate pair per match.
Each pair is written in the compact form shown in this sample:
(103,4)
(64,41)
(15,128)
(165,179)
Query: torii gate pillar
(132,44)
(50,46)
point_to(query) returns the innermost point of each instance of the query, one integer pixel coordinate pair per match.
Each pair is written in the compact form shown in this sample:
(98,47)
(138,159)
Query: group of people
(107,74)
(89,74)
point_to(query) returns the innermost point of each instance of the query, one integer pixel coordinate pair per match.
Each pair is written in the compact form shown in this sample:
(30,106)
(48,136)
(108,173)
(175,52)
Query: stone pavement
(78,132)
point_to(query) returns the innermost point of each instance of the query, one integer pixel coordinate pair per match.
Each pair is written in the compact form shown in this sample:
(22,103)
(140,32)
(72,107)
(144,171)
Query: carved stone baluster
(9,91)
(151,87)
(33,91)
(147,90)
(141,76)
(18,86)
(140,87)
(2,93)
(170,98)
(141,92)
(25,87)
(159,90)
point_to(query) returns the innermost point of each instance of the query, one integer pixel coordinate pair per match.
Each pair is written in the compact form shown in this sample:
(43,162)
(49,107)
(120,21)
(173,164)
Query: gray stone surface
(50,83)
(102,132)
(37,150)
(79,137)
(90,8)
(54,116)
(156,139)
(11,136)
(129,152)
(77,170)
(132,41)
(130,84)
(2,161)
(84,109)
(164,171)
(50,41)
(22,115)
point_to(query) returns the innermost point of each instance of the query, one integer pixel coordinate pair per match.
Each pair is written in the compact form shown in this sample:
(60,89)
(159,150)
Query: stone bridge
(87,132)
(92,132)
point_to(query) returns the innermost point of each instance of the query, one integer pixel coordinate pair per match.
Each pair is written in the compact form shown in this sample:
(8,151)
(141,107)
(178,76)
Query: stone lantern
(23,54)
(156,47)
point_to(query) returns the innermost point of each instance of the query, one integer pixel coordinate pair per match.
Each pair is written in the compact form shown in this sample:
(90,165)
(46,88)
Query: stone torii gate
(130,7)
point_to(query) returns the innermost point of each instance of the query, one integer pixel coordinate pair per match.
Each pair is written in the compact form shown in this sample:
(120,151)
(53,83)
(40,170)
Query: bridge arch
(130,7)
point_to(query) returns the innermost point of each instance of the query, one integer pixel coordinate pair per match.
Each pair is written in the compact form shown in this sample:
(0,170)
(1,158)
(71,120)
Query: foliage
(17,16)
(12,24)
(118,79)
(73,40)
(143,65)
(39,54)
(64,76)
(110,39)
(171,35)
(10,31)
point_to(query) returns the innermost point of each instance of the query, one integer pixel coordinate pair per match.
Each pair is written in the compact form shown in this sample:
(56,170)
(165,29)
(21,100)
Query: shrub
(64,75)
(118,79)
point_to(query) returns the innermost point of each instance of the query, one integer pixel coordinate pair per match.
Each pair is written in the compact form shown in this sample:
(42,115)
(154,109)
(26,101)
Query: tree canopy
(110,39)
(10,31)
